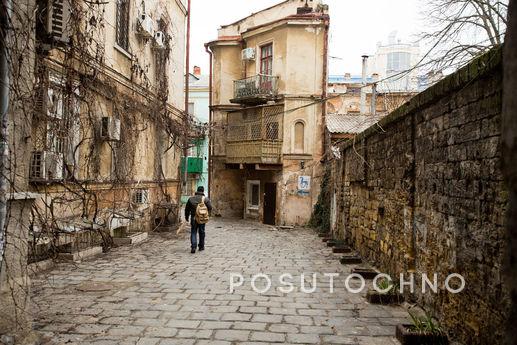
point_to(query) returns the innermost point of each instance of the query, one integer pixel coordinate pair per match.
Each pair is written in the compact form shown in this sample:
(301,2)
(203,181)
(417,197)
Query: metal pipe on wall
(324,82)
(187,115)
(363,88)
(5,14)
(210,120)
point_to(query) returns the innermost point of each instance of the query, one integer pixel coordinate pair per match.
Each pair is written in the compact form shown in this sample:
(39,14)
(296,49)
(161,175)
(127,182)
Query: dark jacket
(193,201)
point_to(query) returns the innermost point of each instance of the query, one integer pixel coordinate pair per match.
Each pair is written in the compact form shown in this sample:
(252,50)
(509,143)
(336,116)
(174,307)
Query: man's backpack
(202,212)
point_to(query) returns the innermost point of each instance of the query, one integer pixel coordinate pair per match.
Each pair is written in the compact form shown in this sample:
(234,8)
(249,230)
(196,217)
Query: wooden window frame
(249,196)
(266,59)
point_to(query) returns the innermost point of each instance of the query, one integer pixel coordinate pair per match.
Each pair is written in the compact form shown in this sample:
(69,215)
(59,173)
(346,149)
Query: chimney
(304,10)
(197,71)
(363,88)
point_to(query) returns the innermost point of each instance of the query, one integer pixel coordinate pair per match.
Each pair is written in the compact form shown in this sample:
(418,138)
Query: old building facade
(269,80)
(107,120)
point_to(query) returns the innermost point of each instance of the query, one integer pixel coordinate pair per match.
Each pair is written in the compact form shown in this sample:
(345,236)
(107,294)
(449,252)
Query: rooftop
(341,123)
(341,79)
(198,81)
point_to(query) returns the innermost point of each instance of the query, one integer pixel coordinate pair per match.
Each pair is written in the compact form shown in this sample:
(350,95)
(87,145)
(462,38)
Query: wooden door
(270,204)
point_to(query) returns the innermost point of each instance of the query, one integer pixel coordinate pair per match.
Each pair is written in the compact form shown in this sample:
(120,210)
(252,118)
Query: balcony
(255,136)
(255,90)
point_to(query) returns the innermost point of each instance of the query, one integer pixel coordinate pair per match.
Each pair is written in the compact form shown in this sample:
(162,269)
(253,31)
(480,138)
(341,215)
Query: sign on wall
(304,185)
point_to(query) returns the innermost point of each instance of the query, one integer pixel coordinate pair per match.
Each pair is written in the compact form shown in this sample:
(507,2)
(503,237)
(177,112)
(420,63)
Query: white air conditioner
(58,20)
(248,54)
(159,40)
(145,26)
(141,196)
(46,165)
(110,128)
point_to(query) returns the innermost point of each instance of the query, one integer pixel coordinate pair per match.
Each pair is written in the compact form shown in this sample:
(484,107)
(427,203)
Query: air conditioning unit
(248,54)
(58,20)
(46,166)
(159,40)
(141,196)
(145,26)
(110,128)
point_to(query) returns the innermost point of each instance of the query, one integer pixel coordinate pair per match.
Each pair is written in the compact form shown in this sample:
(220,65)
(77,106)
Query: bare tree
(459,30)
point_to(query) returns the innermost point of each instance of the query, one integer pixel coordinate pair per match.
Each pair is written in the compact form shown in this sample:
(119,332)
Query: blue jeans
(195,227)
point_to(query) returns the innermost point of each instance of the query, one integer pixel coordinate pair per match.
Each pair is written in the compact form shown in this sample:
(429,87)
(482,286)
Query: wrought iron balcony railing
(256,89)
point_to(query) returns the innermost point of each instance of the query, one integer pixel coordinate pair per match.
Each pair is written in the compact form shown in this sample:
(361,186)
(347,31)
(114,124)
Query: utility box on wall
(194,165)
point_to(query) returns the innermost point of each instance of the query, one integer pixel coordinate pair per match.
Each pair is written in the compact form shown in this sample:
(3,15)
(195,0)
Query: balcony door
(266,68)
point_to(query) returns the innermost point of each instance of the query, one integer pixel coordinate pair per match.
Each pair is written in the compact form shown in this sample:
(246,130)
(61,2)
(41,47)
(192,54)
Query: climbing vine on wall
(320,217)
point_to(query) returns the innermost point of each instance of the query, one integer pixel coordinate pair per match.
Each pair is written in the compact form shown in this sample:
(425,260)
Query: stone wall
(509,146)
(423,192)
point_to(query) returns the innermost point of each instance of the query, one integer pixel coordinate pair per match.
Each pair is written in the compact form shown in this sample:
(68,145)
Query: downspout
(324,82)
(363,87)
(186,115)
(5,15)
(210,120)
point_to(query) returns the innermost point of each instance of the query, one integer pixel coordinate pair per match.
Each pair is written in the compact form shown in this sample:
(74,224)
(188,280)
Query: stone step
(365,272)
(375,297)
(351,259)
(131,239)
(335,243)
(341,249)
(81,255)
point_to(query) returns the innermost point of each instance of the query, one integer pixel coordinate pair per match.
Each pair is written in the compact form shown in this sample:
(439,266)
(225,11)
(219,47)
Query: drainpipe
(363,88)
(210,147)
(324,82)
(186,120)
(5,15)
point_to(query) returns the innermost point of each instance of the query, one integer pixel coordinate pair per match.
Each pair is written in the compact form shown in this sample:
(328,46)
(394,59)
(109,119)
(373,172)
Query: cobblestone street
(160,293)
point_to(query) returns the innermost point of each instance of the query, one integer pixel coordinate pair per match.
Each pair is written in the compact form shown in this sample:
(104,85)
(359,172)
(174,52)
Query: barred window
(122,35)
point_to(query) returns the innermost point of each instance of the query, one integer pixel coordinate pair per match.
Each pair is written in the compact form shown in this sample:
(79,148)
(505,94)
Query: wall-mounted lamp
(302,165)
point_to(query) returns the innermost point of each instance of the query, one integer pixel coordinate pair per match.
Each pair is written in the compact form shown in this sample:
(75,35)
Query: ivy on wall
(320,218)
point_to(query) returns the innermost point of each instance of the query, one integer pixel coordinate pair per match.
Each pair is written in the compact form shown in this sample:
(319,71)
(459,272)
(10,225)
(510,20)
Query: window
(266,59)
(253,194)
(299,137)
(141,196)
(122,34)
(36,165)
(191,108)
(398,61)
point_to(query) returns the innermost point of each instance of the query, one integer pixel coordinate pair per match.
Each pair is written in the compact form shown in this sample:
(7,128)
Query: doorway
(270,203)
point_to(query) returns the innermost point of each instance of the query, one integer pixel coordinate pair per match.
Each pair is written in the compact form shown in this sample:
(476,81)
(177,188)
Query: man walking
(197,209)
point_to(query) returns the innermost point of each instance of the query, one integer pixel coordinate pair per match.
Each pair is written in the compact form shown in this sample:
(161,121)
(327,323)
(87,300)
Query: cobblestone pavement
(159,293)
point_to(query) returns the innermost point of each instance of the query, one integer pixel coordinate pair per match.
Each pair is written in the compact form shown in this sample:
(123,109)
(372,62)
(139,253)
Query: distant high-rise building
(395,63)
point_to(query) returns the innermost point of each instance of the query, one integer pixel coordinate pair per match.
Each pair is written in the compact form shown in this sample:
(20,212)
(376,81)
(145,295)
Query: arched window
(299,137)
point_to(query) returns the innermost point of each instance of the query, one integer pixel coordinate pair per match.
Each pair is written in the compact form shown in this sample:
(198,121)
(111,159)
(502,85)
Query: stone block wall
(423,192)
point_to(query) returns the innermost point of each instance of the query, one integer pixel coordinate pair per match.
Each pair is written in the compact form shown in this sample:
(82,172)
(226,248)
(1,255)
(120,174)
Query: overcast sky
(356,26)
